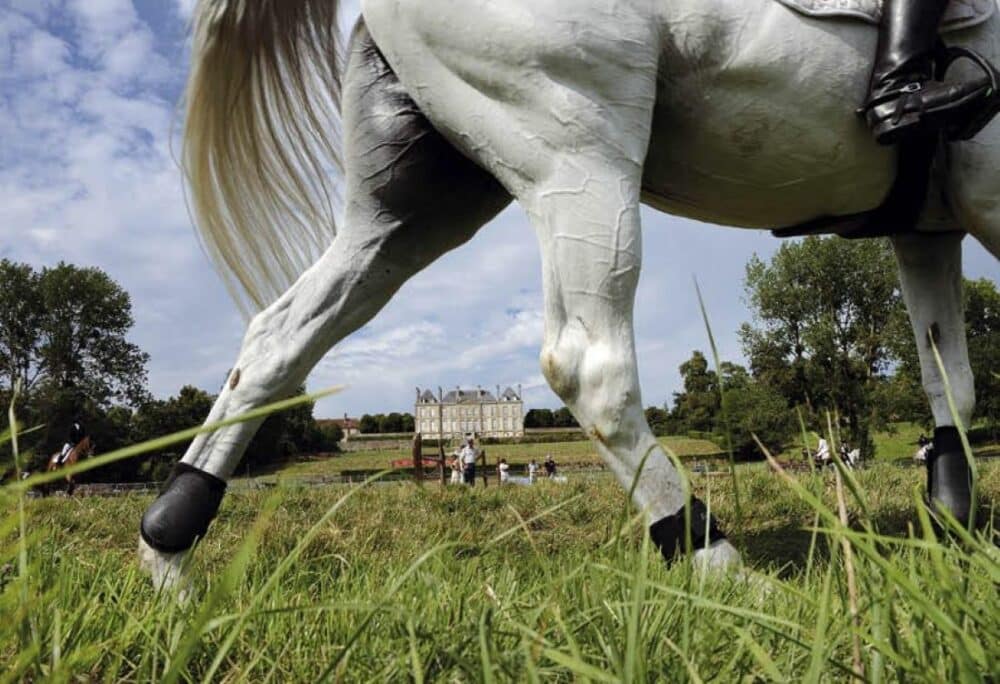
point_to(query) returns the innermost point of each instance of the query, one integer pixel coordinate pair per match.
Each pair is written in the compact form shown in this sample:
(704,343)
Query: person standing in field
(550,466)
(504,470)
(532,471)
(456,469)
(469,455)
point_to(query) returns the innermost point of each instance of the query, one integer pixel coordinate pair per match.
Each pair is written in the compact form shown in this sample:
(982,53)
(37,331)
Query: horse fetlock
(559,366)
(181,514)
(596,384)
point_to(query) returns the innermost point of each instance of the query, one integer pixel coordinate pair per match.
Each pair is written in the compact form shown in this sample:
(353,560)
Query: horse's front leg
(930,270)
(410,198)
(587,217)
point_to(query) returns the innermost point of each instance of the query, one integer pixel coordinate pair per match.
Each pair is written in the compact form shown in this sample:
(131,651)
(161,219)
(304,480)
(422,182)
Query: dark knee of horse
(949,478)
(182,512)
(670,534)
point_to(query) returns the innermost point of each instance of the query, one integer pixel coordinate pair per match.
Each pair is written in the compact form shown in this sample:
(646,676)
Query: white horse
(736,112)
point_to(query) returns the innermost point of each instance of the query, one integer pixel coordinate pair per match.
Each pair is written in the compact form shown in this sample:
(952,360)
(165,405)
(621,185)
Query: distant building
(463,411)
(350,426)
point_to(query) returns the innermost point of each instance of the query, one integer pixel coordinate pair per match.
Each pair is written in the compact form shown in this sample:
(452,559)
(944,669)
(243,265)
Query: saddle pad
(959,15)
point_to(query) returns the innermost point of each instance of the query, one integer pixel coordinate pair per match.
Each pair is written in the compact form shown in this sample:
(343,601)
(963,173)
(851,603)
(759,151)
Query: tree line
(829,336)
(64,343)
(386,423)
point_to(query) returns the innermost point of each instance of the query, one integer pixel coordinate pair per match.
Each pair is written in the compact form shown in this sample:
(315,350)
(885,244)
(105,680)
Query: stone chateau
(464,411)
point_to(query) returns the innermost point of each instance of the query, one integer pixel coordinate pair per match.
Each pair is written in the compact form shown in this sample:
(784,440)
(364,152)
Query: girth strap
(181,514)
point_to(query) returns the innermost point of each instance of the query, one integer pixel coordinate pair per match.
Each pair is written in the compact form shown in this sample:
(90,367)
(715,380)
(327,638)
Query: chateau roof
(509,395)
(469,396)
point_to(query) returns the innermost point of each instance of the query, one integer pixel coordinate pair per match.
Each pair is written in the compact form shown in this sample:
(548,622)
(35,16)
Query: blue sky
(88,93)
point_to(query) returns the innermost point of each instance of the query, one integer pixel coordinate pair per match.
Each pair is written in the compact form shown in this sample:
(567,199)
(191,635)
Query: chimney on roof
(519,395)
(440,394)
(498,392)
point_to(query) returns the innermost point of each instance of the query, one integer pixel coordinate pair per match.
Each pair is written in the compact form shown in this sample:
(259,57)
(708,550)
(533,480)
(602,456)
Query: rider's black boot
(948,475)
(904,99)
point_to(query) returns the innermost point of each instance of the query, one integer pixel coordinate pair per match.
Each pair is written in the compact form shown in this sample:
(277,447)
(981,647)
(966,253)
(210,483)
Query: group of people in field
(464,460)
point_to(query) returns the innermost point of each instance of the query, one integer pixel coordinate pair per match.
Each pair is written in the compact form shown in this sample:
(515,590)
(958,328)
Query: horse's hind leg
(410,198)
(930,270)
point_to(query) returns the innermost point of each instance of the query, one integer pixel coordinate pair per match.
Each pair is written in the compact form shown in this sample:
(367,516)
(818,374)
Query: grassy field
(567,454)
(897,445)
(553,583)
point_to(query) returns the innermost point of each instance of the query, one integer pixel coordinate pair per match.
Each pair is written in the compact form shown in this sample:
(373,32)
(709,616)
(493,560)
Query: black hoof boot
(948,476)
(669,534)
(181,514)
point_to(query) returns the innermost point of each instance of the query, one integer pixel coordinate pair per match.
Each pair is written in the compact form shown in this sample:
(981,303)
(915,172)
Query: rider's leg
(904,100)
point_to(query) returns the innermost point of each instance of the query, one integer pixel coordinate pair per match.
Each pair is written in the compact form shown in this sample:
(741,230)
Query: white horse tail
(262,139)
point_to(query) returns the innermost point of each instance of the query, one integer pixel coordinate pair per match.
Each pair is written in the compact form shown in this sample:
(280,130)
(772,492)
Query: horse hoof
(168,571)
(949,477)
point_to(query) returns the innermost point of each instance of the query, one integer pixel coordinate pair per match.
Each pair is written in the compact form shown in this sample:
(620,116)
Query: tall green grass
(398,582)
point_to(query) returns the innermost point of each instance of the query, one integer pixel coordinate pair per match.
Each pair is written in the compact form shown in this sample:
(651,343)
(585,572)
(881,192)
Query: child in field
(504,471)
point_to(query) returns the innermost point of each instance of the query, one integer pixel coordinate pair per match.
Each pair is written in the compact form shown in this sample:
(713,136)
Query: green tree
(538,418)
(563,418)
(368,424)
(660,421)
(392,422)
(696,409)
(982,320)
(826,314)
(332,435)
(66,327)
(754,409)
(21,312)
(63,337)
(160,417)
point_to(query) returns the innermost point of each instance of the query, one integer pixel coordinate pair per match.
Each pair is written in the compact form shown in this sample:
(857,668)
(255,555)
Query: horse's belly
(762,132)
(741,184)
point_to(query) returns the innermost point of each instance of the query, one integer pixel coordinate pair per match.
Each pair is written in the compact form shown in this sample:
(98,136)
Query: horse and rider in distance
(796,116)
(78,446)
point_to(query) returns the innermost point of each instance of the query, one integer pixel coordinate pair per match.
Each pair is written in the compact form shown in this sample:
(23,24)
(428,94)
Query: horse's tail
(262,138)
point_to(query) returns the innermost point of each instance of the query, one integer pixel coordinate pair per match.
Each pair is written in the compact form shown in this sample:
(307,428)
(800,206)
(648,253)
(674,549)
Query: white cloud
(185,8)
